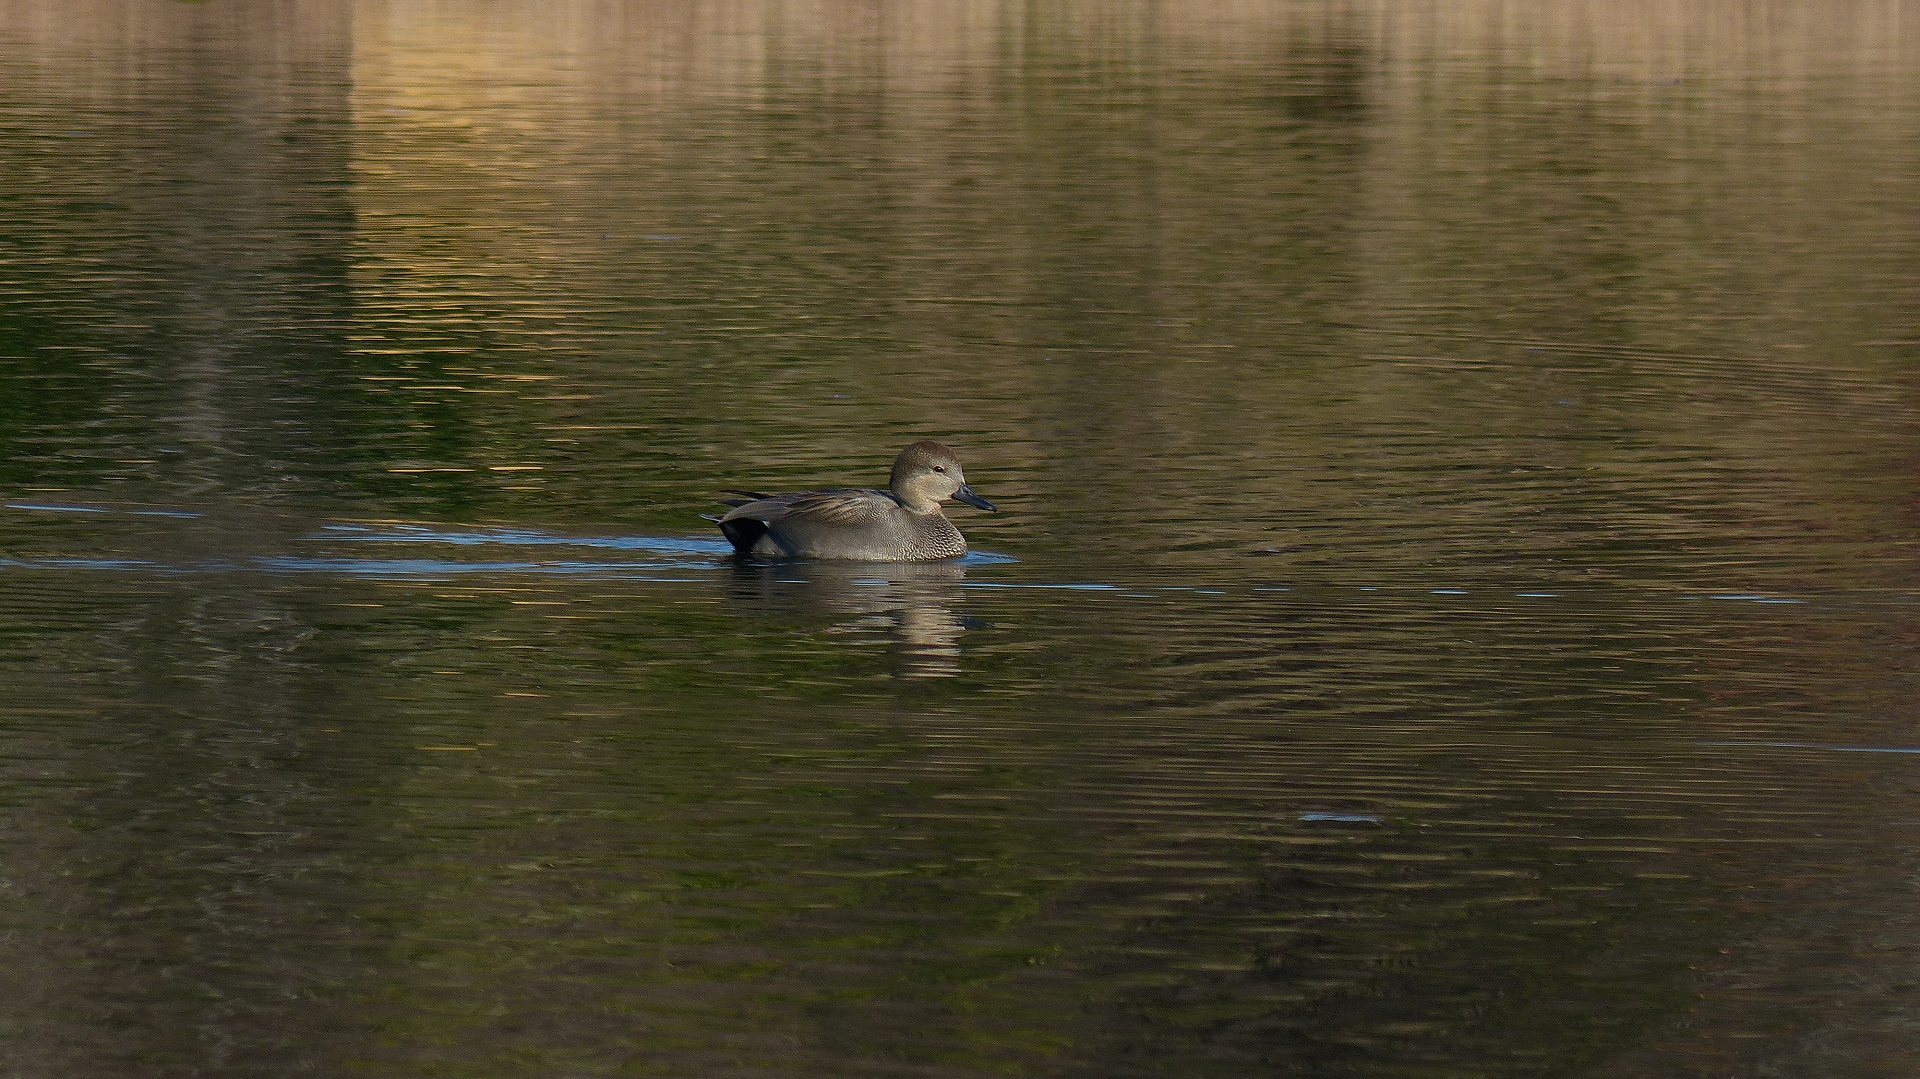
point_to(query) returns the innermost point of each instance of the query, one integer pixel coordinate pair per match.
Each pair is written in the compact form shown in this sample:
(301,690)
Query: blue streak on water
(49,507)
(986,558)
(517,537)
(1340,818)
(1063,587)
(86,563)
(434,567)
(709,552)
(630,570)
(53,509)
(705,550)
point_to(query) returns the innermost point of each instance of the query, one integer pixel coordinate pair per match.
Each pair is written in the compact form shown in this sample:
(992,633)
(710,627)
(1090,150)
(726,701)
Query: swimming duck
(900,524)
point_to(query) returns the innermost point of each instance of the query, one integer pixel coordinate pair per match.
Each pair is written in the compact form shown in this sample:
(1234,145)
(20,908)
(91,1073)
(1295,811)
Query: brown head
(927,474)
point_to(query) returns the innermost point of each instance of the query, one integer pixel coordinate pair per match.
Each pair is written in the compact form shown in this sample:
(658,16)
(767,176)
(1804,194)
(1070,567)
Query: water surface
(1452,611)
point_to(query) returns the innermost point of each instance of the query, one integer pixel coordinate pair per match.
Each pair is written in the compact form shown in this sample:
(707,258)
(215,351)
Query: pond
(1451,610)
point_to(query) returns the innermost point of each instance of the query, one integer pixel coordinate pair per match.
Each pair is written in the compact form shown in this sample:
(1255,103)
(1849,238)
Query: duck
(903,523)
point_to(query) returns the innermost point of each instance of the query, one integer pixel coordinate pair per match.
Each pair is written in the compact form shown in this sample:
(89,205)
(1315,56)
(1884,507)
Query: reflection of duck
(910,603)
(901,524)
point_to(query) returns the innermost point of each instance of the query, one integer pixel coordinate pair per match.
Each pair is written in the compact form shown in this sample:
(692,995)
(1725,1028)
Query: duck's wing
(846,506)
(747,522)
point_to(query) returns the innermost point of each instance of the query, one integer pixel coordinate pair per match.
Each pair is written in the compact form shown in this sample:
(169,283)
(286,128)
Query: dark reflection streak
(196,841)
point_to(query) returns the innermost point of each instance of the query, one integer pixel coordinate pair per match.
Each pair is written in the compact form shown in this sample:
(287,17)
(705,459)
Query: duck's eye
(942,469)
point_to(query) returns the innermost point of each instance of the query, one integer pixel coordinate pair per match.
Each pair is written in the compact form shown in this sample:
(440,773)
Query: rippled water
(1452,611)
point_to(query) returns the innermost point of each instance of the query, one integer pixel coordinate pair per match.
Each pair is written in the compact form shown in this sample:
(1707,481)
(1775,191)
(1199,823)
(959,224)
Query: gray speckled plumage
(901,524)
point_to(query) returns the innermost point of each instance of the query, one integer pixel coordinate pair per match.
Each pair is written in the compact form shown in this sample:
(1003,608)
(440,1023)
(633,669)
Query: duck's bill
(965,494)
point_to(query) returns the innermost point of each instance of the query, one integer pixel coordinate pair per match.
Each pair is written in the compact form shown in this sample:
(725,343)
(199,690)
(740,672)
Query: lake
(1452,609)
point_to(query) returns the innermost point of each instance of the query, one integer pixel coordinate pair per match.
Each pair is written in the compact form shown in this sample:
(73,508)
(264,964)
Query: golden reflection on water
(1215,236)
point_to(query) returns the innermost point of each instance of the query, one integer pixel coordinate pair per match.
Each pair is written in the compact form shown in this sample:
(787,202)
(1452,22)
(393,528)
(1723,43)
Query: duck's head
(927,474)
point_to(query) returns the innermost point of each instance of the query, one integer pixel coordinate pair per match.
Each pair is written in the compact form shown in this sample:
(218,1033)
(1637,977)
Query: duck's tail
(742,532)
